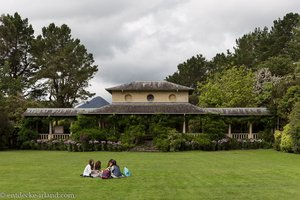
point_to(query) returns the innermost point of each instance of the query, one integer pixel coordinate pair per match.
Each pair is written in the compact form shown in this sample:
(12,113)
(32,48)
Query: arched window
(128,98)
(172,98)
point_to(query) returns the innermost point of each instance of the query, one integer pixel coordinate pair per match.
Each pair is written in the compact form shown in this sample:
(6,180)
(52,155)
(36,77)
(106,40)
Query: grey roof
(96,102)
(149,108)
(146,108)
(55,112)
(149,86)
(238,111)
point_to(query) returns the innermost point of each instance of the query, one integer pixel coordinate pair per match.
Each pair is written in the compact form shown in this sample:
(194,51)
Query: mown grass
(248,174)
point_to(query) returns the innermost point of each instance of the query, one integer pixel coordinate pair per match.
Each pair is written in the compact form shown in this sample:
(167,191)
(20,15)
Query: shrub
(294,118)
(84,122)
(6,129)
(204,143)
(158,130)
(26,135)
(195,125)
(266,135)
(29,145)
(133,134)
(162,144)
(215,127)
(231,143)
(286,139)
(176,140)
(277,140)
(198,141)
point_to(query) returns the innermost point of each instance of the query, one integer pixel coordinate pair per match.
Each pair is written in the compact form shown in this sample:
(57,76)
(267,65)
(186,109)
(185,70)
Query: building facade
(149,98)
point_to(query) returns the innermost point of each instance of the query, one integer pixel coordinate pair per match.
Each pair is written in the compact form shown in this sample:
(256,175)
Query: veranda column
(50,131)
(229,131)
(184,124)
(70,127)
(250,134)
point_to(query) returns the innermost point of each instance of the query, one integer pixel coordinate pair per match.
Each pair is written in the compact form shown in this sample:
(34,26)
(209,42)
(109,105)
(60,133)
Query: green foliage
(264,87)
(294,124)
(232,88)
(191,71)
(286,139)
(158,130)
(64,64)
(162,144)
(16,65)
(6,130)
(251,48)
(215,127)
(26,135)
(282,33)
(261,44)
(85,128)
(221,62)
(195,125)
(294,44)
(83,122)
(199,142)
(279,66)
(277,140)
(133,134)
(90,134)
(288,101)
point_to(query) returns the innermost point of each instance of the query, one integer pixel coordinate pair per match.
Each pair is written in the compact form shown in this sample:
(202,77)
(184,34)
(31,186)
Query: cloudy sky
(147,39)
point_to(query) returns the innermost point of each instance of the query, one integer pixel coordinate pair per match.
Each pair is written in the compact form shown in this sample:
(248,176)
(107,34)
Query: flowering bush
(50,145)
(181,142)
(229,143)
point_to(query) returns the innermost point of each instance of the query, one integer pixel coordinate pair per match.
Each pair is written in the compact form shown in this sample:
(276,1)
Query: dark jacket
(115,171)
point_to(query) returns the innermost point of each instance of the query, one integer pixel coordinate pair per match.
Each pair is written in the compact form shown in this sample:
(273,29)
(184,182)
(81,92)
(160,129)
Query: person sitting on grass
(88,169)
(114,169)
(96,172)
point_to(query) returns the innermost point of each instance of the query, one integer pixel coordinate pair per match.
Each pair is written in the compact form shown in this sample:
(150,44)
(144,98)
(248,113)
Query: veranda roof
(55,112)
(239,111)
(146,108)
(149,108)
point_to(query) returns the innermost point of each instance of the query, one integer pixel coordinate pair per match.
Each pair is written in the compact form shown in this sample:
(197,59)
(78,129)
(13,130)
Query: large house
(148,98)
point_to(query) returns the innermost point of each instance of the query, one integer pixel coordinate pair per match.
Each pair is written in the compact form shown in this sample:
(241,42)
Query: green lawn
(249,174)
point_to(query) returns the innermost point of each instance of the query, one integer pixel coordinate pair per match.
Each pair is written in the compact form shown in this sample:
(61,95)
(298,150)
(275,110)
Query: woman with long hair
(96,172)
(88,169)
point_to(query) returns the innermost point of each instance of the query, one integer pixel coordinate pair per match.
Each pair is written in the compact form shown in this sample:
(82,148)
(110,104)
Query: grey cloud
(146,40)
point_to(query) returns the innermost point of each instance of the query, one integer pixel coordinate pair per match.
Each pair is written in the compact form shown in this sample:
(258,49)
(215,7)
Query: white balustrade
(54,136)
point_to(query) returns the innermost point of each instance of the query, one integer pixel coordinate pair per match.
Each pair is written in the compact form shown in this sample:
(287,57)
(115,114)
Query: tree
(232,88)
(191,71)
(282,33)
(16,66)
(65,66)
(221,62)
(293,49)
(279,65)
(286,93)
(264,86)
(261,44)
(252,48)
(288,101)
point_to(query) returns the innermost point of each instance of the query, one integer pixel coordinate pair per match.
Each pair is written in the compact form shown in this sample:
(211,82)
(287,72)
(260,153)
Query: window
(150,97)
(172,97)
(128,98)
